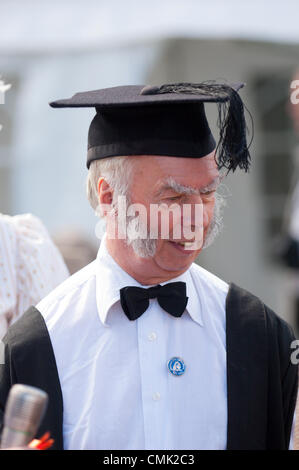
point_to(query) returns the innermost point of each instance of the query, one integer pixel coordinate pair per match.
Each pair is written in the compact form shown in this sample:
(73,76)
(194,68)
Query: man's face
(182,181)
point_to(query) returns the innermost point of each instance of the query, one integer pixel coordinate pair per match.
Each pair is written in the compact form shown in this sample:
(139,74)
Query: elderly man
(143,348)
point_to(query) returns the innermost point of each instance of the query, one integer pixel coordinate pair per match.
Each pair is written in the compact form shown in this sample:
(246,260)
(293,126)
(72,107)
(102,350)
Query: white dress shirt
(117,390)
(30,266)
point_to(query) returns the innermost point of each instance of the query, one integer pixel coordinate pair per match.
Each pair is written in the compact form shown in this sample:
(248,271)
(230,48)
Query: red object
(43,443)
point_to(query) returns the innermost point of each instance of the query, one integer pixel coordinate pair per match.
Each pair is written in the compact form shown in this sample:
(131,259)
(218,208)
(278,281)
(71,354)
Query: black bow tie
(171,297)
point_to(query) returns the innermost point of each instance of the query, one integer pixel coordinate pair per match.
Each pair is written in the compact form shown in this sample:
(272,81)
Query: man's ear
(105,194)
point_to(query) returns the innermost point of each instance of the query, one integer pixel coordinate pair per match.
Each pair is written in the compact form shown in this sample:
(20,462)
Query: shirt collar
(110,278)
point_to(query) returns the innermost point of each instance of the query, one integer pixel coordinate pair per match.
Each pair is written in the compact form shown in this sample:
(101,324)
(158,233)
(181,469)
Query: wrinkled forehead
(167,165)
(183,175)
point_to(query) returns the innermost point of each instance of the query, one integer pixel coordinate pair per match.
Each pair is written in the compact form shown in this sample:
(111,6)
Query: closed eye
(208,193)
(173,198)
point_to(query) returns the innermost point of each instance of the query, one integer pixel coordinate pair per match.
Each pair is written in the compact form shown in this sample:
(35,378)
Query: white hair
(216,224)
(117,173)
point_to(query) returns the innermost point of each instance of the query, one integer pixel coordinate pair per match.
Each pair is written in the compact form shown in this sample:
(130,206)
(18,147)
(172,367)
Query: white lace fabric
(30,266)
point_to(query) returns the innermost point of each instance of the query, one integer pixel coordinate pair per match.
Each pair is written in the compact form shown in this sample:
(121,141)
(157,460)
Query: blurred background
(51,49)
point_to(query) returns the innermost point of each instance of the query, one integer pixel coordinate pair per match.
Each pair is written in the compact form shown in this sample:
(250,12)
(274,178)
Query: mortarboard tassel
(232,147)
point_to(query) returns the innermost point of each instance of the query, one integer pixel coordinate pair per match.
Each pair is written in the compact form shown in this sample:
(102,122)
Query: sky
(39,25)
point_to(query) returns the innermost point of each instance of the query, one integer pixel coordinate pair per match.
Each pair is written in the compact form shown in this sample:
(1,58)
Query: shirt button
(152,336)
(156,396)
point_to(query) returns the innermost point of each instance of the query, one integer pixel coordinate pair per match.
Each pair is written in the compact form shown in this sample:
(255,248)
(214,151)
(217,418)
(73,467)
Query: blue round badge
(176,366)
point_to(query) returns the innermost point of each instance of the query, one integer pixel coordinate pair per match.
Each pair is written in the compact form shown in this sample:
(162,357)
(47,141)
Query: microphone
(24,411)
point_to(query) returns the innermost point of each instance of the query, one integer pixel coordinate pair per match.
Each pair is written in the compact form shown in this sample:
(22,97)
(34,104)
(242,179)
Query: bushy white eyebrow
(212,186)
(170,183)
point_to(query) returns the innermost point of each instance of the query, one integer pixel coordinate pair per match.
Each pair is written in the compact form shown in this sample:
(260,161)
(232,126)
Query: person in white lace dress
(30,266)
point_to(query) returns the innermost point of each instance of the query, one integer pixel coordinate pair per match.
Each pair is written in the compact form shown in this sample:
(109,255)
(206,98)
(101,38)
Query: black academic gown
(261,380)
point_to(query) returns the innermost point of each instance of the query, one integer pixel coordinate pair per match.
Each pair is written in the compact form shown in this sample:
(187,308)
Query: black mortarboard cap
(165,120)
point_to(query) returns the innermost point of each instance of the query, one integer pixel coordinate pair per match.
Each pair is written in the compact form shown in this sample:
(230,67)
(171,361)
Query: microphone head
(24,410)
